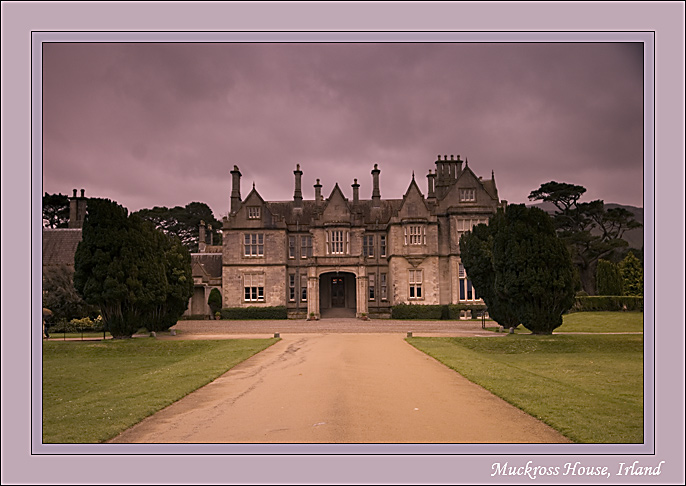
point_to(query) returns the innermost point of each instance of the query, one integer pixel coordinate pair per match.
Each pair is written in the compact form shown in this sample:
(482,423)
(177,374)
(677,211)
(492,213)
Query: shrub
(418,311)
(78,325)
(607,303)
(215,301)
(454,310)
(237,313)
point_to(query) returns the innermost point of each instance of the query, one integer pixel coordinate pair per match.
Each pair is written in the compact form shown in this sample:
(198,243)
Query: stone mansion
(340,256)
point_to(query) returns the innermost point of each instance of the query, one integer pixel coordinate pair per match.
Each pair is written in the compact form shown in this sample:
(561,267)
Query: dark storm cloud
(163,124)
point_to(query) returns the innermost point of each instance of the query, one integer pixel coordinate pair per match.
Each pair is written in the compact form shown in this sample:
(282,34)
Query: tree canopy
(55,210)
(184,222)
(590,231)
(136,275)
(476,250)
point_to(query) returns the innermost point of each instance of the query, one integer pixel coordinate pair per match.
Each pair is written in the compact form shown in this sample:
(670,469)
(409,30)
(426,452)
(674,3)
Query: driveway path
(341,388)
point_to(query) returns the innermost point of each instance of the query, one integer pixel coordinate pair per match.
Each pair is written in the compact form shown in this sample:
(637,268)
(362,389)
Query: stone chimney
(202,240)
(431,180)
(298,195)
(209,228)
(77,209)
(317,193)
(235,189)
(459,165)
(356,193)
(376,193)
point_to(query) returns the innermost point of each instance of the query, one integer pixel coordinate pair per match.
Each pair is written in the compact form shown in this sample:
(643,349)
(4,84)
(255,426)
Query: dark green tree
(608,278)
(476,250)
(533,268)
(215,300)
(184,222)
(105,271)
(590,231)
(631,270)
(55,210)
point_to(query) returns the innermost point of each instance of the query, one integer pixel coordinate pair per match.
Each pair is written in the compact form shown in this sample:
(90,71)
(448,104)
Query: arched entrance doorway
(337,294)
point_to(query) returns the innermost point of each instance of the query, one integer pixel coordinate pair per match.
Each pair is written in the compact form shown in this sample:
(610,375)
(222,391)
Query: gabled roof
(59,245)
(208,263)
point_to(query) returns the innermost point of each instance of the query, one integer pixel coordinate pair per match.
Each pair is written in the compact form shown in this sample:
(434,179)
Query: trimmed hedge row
(236,313)
(607,303)
(434,312)
(77,325)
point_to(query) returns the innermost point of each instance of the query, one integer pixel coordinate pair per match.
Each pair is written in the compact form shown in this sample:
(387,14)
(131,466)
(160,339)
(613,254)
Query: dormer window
(254,212)
(468,195)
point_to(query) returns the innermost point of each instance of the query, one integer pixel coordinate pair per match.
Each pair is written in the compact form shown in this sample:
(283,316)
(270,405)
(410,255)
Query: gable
(254,200)
(337,208)
(467,190)
(413,205)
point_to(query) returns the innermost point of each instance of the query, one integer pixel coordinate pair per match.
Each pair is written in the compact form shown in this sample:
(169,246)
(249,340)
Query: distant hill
(633,237)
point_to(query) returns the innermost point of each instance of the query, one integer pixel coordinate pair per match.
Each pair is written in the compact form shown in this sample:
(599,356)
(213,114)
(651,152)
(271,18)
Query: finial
(253,184)
(466,163)
(452,157)
(355,181)
(297,166)
(376,166)
(317,181)
(429,171)
(492,175)
(439,157)
(412,175)
(445,157)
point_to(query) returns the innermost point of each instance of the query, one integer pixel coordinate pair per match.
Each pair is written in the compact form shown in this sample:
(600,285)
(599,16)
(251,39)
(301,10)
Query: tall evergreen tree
(590,231)
(533,268)
(476,250)
(632,275)
(608,278)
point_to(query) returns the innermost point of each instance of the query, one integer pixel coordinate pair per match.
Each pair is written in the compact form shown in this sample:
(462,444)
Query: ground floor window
(291,287)
(384,286)
(415,284)
(467,290)
(372,286)
(303,288)
(253,286)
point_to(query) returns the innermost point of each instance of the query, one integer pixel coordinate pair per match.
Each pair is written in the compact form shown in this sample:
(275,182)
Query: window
(337,242)
(467,290)
(253,284)
(464,225)
(368,245)
(291,287)
(305,246)
(253,212)
(415,235)
(254,245)
(384,286)
(382,245)
(468,195)
(415,284)
(372,286)
(291,247)
(303,288)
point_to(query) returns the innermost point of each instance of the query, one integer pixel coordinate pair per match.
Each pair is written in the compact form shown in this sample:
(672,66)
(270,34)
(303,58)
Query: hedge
(607,303)
(77,325)
(236,313)
(433,312)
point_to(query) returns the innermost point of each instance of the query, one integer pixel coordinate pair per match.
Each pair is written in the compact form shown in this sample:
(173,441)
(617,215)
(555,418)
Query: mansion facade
(339,256)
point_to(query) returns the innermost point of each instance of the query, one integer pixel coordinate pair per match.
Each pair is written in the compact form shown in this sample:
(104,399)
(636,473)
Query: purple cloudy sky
(163,124)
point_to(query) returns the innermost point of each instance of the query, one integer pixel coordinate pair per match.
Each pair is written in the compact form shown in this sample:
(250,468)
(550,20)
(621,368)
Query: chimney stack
(376,193)
(431,179)
(298,195)
(235,189)
(459,164)
(201,237)
(77,209)
(356,193)
(317,193)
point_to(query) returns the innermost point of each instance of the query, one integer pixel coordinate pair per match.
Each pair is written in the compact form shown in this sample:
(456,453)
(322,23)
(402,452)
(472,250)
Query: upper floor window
(253,245)
(382,245)
(368,245)
(291,247)
(464,225)
(254,212)
(306,246)
(468,195)
(337,242)
(415,235)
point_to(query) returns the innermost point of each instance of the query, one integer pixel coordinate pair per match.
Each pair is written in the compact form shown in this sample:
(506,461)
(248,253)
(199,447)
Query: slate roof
(210,262)
(59,245)
(306,216)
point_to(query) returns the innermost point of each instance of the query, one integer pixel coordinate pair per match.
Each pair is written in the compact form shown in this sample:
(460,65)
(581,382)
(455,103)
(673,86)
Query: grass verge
(588,387)
(94,390)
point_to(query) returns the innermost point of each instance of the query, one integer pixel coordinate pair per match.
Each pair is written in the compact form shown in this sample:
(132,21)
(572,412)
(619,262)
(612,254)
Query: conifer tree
(632,275)
(608,278)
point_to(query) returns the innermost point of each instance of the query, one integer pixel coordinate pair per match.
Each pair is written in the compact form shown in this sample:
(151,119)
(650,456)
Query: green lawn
(94,390)
(588,387)
(591,322)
